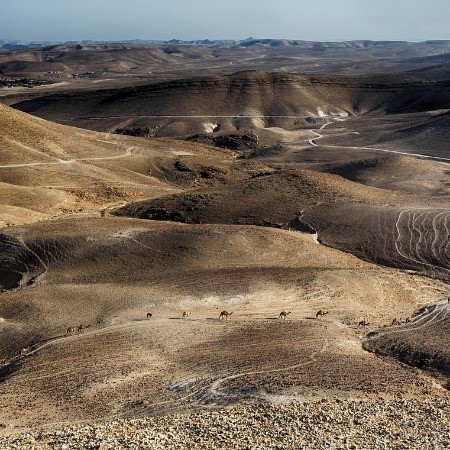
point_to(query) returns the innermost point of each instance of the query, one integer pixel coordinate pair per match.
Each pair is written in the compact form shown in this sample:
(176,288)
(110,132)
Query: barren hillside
(170,58)
(107,239)
(109,273)
(47,170)
(239,101)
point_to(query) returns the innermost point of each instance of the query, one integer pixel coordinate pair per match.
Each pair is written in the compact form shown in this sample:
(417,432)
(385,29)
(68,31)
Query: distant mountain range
(176,58)
(8,44)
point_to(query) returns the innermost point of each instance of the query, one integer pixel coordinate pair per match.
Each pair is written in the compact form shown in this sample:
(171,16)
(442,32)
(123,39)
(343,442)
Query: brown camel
(396,321)
(321,313)
(224,315)
(71,330)
(82,327)
(2,360)
(24,351)
(408,320)
(283,315)
(149,315)
(185,315)
(363,323)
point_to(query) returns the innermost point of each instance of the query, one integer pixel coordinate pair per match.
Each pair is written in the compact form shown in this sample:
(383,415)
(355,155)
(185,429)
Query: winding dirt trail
(313,143)
(128,152)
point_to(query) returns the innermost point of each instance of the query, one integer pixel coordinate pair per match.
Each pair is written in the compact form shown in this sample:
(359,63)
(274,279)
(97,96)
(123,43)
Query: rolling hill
(239,101)
(47,170)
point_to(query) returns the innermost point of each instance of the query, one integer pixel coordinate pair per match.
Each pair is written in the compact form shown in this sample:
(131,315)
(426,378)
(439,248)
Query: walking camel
(321,313)
(283,315)
(224,315)
(185,315)
(149,315)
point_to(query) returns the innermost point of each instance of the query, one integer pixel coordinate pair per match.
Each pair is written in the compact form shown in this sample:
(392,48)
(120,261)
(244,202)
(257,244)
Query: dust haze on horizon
(328,20)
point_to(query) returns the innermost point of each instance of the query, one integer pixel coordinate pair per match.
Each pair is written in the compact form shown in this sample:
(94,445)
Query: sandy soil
(108,273)
(201,230)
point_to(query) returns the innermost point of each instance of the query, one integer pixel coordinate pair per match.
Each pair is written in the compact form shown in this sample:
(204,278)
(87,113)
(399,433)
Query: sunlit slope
(48,169)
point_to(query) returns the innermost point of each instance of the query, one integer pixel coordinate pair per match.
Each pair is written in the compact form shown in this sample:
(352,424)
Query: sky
(317,20)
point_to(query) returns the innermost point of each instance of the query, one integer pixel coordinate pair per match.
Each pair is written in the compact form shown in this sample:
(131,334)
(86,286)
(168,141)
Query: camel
(396,321)
(283,315)
(408,320)
(2,360)
(321,313)
(24,351)
(225,315)
(149,315)
(71,330)
(185,315)
(363,323)
(82,327)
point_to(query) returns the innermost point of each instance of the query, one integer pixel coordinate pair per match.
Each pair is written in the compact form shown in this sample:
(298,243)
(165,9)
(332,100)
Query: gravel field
(324,424)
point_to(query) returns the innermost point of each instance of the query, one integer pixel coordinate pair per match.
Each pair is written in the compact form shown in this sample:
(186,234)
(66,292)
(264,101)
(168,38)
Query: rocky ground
(323,424)
(118,383)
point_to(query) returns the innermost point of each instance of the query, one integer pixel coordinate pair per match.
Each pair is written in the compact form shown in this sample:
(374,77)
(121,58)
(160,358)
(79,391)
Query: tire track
(214,392)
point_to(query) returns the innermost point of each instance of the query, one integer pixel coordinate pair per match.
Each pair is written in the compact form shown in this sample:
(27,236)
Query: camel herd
(224,315)
(77,329)
(397,321)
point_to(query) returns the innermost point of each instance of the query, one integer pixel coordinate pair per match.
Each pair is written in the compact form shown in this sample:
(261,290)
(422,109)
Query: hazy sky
(225,19)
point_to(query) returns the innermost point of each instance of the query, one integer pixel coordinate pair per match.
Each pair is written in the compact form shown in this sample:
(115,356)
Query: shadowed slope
(421,343)
(247,99)
(425,133)
(383,226)
(409,237)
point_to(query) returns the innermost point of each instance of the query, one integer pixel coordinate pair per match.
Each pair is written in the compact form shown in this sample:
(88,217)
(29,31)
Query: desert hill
(417,348)
(252,99)
(345,214)
(425,133)
(168,58)
(108,273)
(392,171)
(305,221)
(48,169)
